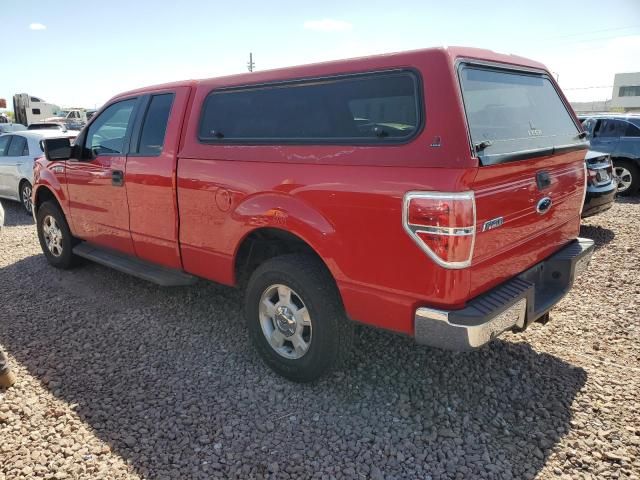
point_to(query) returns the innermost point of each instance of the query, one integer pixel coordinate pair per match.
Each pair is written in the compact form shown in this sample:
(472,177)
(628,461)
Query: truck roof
(348,65)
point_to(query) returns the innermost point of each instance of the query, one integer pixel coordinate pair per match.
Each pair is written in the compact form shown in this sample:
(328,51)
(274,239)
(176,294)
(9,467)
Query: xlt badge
(493,223)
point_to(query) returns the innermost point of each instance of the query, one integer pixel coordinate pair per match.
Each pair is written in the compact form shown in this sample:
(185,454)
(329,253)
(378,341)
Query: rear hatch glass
(529,189)
(514,115)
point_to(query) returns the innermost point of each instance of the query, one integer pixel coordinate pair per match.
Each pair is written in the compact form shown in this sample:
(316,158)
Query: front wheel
(628,177)
(55,237)
(295,317)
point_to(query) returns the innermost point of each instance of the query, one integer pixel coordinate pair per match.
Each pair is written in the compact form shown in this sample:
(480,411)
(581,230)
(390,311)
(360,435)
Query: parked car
(48,126)
(601,184)
(11,127)
(18,152)
(324,193)
(619,136)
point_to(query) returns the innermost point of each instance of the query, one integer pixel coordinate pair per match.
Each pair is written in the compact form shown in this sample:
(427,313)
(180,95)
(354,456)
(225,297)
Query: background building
(591,107)
(626,92)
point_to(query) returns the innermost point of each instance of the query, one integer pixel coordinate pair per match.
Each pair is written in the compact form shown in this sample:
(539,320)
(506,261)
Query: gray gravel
(118,378)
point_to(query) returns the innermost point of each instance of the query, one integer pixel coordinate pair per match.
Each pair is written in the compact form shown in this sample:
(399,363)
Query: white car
(18,151)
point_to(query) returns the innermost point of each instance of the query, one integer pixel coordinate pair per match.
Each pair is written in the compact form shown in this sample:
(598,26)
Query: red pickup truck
(435,193)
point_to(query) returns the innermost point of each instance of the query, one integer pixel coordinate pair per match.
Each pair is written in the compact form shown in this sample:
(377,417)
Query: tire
(325,330)
(51,221)
(25,196)
(628,175)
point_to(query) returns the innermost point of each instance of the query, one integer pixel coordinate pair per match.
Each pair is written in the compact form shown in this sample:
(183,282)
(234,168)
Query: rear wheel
(25,196)
(295,317)
(55,237)
(627,176)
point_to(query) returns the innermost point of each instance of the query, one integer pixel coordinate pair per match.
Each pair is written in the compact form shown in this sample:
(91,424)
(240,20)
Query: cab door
(17,156)
(5,161)
(96,179)
(150,176)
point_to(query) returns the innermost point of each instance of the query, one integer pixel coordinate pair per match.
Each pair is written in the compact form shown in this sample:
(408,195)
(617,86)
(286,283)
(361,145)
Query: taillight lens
(443,225)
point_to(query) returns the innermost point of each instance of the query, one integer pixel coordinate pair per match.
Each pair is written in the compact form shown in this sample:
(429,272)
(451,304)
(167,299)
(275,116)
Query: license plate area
(602,176)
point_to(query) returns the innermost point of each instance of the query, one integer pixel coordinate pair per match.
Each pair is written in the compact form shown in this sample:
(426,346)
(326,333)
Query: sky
(81,53)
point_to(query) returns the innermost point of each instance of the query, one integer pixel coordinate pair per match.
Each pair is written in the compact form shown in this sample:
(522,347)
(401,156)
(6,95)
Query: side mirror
(56,149)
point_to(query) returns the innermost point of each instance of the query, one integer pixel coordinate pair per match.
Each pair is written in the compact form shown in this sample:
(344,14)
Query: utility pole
(250,64)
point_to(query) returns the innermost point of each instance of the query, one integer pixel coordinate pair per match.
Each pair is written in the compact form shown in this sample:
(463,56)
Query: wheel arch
(43,194)
(263,243)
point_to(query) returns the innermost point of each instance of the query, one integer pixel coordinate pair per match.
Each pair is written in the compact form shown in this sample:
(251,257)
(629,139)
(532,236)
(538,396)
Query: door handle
(117,178)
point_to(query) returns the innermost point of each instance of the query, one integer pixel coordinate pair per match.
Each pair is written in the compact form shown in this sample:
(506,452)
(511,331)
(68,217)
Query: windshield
(514,112)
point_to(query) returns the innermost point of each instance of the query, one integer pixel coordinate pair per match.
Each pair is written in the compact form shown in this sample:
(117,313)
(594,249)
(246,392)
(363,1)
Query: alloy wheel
(26,197)
(52,235)
(285,321)
(623,178)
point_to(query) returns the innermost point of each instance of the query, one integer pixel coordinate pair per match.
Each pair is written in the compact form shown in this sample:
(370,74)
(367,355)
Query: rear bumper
(512,305)
(598,200)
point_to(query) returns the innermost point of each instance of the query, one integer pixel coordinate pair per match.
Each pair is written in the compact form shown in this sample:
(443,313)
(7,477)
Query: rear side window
(17,146)
(610,128)
(511,112)
(632,131)
(35,111)
(373,109)
(155,124)
(4,143)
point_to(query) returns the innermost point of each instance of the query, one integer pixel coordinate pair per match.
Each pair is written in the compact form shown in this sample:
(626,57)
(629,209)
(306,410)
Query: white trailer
(29,109)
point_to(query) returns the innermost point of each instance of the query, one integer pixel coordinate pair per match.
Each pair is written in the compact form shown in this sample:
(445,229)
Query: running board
(166,277)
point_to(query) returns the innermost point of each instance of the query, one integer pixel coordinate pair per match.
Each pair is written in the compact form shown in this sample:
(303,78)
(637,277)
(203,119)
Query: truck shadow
(168,379)
(15,215)
(600,235)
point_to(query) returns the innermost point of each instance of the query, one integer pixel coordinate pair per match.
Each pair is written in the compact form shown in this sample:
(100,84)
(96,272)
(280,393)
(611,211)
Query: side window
(619,129)
(35,111)
(17,146)
(632,131)
(609,128)
(375,108)
(599,129)
(4,143)
(155,124)
(107,133)
(588,125)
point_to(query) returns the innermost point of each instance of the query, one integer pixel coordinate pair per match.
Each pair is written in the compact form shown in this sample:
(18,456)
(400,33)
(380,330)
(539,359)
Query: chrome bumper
(512,305)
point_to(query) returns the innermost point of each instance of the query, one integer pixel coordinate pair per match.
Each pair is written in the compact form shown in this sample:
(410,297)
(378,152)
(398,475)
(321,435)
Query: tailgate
(530,184)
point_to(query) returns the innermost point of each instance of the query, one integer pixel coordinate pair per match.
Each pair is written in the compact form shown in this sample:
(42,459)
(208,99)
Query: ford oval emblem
(544,205)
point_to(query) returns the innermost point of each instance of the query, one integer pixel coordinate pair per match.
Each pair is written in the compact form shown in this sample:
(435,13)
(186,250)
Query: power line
(597,39)
(587,88)
(591,32)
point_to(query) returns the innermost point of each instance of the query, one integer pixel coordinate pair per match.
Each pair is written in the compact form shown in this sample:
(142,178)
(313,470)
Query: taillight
(442,225)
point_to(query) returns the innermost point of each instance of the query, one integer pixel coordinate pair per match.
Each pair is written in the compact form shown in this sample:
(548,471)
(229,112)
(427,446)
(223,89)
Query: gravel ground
(118,378)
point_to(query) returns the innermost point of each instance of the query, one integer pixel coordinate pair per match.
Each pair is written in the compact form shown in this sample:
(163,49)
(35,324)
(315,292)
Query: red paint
(151,193)
(98,211)
(192,206)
